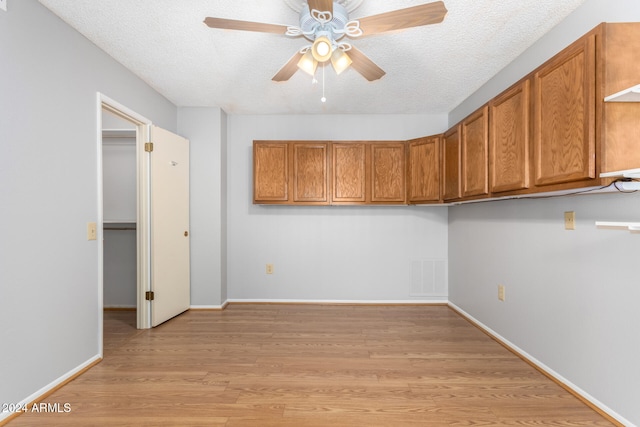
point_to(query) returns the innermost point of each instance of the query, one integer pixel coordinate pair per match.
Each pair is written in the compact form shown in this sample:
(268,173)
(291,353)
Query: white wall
(49,293)
(571,296)
(205,127)
(325,253)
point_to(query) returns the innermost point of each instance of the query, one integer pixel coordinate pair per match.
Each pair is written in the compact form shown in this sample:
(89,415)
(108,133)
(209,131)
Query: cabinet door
(310,172)
(348,172)
(509,131)
(564,115)
(475,159)
(270,172)
(388,173)
(451,164)
(424,170)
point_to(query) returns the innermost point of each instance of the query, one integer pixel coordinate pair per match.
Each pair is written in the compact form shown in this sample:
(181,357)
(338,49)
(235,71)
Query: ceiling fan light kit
(308,63)
(325,22)
(340,61)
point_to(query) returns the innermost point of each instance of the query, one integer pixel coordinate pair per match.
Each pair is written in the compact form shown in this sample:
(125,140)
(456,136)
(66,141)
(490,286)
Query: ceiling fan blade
(362,64)
(425,14)
(232,24)
(288,70)
(321,5)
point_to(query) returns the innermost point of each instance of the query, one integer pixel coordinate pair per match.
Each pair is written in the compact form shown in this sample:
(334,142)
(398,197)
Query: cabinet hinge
(149,296)
(148,147)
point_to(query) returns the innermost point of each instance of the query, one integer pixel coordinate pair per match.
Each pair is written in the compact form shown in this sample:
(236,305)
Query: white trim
(100,219)
(331,301)
(142,125)
(122,110)
(595,402)
(52,385)
(209,307)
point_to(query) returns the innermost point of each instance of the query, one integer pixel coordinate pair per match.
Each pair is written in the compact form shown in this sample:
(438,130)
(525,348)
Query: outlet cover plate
(570,220)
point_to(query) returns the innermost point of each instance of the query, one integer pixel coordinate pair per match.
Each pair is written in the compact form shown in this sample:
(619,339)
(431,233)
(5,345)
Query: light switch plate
(3,5)
(92,231)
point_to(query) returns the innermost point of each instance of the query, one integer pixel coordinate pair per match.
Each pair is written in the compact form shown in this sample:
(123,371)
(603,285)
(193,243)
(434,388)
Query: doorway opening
(122,211)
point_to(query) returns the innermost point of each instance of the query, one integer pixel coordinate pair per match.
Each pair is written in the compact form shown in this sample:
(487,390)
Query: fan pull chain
(323,99)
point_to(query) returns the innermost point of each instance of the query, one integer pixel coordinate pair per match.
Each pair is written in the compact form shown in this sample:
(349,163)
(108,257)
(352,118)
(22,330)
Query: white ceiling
(430,69)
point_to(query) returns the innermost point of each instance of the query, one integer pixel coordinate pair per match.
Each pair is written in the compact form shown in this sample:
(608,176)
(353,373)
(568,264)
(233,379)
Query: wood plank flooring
(310,365)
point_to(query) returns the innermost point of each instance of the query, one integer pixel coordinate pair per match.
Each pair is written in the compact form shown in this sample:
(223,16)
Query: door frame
(143,240)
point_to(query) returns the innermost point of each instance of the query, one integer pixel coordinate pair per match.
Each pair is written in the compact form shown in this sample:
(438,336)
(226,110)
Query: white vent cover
(429,278)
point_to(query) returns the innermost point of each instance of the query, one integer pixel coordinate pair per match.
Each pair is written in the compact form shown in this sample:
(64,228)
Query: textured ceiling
(430,69)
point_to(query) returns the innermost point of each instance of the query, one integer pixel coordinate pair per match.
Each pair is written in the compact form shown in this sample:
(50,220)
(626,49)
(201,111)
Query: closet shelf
(633,227)
(631,94)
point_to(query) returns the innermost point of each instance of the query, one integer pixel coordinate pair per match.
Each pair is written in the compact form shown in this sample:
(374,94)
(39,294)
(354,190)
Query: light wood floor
(308,365)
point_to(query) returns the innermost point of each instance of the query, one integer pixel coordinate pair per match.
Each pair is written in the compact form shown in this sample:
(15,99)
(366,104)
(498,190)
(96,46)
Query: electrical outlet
(3,5)
(92,231)
(501,292)
(570,220)
(269,268)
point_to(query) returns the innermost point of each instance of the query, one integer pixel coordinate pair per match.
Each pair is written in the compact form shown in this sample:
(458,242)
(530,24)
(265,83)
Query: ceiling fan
(325,23)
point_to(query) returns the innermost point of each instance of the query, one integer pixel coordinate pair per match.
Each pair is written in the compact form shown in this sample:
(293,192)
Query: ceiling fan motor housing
(323,23)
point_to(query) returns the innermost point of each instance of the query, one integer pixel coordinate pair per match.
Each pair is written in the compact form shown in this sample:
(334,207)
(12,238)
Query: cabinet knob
(186,233)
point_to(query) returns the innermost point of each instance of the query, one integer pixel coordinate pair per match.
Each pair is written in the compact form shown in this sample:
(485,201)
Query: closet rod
(119,228)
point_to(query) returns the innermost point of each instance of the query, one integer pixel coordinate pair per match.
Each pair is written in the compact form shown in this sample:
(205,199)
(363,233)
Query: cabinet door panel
(564,105)
(509,139)
(451,164)
(475,160)
(424,170)
(310,172)
(271,172)
(388,172)
(348,182)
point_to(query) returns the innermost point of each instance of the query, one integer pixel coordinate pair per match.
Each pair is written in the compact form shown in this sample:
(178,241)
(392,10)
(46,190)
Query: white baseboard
(346,302)
(545,369)
(53,385)
(209,307)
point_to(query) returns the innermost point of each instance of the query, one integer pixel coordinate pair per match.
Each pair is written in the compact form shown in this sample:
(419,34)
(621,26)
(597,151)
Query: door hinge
(148,147)
(149,296)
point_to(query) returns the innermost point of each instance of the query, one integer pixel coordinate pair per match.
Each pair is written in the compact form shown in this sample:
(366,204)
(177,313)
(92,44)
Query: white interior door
(169,194)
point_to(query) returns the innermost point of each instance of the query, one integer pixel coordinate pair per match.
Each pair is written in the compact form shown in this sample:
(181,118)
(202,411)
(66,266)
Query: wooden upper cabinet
(474,155)
(509,130)
(423,170)
(564,136)
(451,164)
(270,172)
(388,173)
(349,172)
(290,172)
(621,120)
(310,172)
